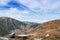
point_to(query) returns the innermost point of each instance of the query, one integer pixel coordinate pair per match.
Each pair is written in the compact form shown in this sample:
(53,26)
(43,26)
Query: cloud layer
(41,4)
(4,2)
(31,10)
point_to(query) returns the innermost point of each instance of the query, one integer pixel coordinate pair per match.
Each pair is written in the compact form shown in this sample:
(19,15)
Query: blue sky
(30,10)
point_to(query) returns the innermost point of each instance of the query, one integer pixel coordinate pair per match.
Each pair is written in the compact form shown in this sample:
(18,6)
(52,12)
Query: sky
(30,10)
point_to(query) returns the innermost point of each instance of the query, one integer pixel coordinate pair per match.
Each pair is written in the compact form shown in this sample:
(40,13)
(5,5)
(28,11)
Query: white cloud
(10,12)
(29,3)
(37,5)
(35,20)
(3,2)
(15,13)
(41,5)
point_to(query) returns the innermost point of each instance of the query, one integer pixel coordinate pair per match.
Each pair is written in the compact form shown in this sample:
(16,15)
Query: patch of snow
(38,39)
(3,38)
(12,33)
(47,35)
(22,35)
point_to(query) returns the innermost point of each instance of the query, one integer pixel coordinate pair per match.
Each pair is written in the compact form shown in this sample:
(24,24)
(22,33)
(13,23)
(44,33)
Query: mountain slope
(52,28)
(54,24)
(8,24)
(47,31)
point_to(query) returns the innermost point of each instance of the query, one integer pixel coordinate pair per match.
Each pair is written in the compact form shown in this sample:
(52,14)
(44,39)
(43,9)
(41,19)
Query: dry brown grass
(52,28)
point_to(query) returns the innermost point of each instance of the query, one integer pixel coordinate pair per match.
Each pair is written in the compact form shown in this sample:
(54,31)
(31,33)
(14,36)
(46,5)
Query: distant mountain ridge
(54,24)
(47,31)
(8,24)
(52,28)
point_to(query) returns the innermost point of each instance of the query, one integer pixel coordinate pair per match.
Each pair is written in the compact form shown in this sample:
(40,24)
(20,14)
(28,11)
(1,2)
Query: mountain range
(51,28)
(8,24)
